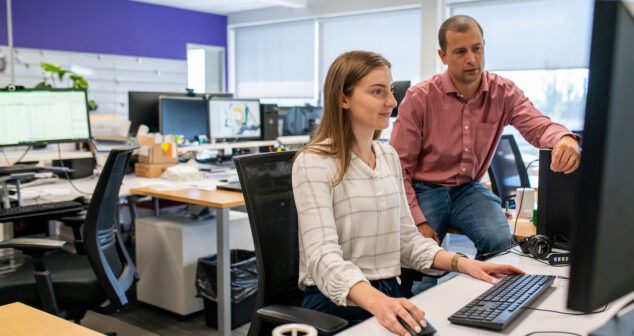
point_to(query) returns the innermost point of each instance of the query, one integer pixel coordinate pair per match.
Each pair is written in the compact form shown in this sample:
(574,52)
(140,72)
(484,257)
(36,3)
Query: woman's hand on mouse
(386,308)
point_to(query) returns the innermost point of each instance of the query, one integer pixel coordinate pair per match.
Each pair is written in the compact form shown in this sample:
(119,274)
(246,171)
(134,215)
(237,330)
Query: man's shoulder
(498,82)
(428,86)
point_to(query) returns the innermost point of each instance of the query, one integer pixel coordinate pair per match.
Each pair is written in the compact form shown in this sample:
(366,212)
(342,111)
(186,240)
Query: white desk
(448,297)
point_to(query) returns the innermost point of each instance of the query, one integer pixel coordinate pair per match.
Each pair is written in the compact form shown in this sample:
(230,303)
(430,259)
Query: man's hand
(426,230)
(565,156)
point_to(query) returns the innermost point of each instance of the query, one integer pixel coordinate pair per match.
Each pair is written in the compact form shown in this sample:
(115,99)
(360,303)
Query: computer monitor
(34,116)
(234,119)
(186,116)
(602,268)
(400,89)
(143,109)
(555,211)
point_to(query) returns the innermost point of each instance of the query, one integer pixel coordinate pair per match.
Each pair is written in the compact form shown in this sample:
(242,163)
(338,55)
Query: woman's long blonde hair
(344,73)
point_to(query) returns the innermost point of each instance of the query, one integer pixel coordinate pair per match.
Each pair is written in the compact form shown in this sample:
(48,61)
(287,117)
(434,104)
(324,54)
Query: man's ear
(442,56)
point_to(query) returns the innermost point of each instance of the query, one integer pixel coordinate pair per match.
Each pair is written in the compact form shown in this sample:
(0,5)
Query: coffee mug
(525,202)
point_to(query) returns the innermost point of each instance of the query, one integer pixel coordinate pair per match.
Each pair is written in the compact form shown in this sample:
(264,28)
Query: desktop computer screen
(185,116)
(602,263)
(43,116)
(233,119)
(143,109)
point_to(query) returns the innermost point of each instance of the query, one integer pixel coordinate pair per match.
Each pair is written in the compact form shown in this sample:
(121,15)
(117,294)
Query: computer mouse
(428,330)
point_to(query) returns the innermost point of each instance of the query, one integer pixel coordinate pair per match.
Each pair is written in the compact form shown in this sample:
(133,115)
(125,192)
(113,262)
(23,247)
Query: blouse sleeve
(318,238)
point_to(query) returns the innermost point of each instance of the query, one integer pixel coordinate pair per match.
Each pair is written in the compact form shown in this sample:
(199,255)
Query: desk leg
(224,283)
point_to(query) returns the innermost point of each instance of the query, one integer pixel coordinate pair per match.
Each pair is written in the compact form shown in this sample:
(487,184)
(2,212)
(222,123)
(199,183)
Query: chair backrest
(507,171)
(102,241)
(268,194)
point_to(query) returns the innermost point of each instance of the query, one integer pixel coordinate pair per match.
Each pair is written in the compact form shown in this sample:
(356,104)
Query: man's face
(465,55)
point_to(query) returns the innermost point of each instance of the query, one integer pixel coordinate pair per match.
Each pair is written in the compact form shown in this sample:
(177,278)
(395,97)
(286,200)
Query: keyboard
(503,302)
(39,210)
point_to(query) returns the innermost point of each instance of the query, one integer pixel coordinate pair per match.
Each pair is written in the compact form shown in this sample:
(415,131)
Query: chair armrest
(32,246)
(326,324)
(74,221)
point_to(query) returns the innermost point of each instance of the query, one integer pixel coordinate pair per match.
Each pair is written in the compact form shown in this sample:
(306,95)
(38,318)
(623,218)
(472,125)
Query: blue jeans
(471,208)
(315,300)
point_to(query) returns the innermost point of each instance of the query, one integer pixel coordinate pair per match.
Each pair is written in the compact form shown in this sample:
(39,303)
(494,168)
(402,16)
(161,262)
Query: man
(446,134)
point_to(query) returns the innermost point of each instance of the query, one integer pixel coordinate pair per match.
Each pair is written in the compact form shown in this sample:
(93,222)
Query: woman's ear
(344,102)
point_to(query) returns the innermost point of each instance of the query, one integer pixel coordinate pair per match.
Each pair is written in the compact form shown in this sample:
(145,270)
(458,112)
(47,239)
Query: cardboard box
(150,170)
(158,153)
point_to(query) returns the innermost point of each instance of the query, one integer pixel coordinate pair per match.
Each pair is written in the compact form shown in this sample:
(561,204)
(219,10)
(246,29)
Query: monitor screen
(602,266)
(143,109)
(43,116)
(234,119)
(186,116)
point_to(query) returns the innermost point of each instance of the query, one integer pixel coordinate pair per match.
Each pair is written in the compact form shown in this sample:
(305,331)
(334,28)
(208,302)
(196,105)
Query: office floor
(139,319)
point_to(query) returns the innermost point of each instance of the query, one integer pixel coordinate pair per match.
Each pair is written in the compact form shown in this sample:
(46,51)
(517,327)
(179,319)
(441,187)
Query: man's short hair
(457,23)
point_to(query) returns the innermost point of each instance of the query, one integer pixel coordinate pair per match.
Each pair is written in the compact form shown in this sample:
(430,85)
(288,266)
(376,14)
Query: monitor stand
(617,326)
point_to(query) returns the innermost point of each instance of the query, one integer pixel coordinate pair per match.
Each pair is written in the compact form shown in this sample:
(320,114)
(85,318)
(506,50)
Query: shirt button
(466,149)
(466,126)
(464,169)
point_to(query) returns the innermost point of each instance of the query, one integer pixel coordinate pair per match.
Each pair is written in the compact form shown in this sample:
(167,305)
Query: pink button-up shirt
(443,139)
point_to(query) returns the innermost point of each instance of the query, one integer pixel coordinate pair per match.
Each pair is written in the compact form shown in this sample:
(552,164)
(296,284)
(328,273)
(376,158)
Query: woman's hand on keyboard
(484,270)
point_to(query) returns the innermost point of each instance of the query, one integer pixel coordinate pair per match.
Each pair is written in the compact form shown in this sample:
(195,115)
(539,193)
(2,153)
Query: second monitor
(234,119)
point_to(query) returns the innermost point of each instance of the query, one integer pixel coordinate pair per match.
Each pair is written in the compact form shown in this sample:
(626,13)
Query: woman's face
(371,102)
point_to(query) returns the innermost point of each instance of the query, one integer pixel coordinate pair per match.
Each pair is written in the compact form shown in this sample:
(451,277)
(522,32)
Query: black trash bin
(244,285)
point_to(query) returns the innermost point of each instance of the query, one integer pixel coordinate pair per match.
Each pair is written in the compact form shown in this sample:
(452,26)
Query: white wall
(112,75)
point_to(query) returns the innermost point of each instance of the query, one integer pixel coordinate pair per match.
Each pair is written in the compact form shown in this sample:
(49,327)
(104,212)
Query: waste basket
(244,285)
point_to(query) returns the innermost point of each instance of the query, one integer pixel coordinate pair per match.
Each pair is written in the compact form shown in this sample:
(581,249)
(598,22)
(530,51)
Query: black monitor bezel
(52,141)
(596,255)
(233,139)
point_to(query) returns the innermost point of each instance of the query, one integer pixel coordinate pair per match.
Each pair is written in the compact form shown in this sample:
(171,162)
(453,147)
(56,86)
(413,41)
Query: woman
(355,227)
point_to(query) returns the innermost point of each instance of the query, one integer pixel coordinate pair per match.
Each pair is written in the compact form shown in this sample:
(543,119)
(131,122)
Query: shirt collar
(448,87)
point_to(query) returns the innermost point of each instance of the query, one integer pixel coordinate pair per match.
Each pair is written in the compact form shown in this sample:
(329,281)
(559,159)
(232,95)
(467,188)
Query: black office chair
(268,194)
(507,171)
(67,285)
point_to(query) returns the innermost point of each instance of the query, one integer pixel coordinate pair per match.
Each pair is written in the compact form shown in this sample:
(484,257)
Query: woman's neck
(362,147)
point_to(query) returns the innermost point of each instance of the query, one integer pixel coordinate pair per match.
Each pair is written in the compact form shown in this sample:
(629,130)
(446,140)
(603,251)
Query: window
(396,35)
(543,46)
(275,60)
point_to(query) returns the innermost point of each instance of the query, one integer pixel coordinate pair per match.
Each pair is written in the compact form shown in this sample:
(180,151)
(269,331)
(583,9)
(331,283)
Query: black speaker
(81,167)
(269,121)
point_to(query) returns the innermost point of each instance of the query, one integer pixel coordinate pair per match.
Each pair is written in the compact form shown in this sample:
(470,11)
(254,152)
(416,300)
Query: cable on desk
(552,332)
(23,154)
(59,152)
(568,313)
(6,158)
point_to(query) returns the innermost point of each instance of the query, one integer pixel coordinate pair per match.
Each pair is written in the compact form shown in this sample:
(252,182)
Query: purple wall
(120,27)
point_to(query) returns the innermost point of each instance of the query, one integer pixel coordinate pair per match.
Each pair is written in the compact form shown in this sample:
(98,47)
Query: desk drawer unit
(167,251)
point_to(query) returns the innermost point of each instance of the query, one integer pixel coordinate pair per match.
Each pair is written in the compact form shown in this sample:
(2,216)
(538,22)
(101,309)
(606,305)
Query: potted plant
(55,71)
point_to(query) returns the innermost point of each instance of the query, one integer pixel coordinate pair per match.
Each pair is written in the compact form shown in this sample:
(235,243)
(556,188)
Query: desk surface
(18,319)
(212,198)
(448,297)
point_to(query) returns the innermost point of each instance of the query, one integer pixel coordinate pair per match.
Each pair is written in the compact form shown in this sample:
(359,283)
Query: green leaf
(41,85)
(61,74)
(50,67)
(92,106)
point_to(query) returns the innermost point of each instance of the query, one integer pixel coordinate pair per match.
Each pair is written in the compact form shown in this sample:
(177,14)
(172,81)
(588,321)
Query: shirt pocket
(485,136)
